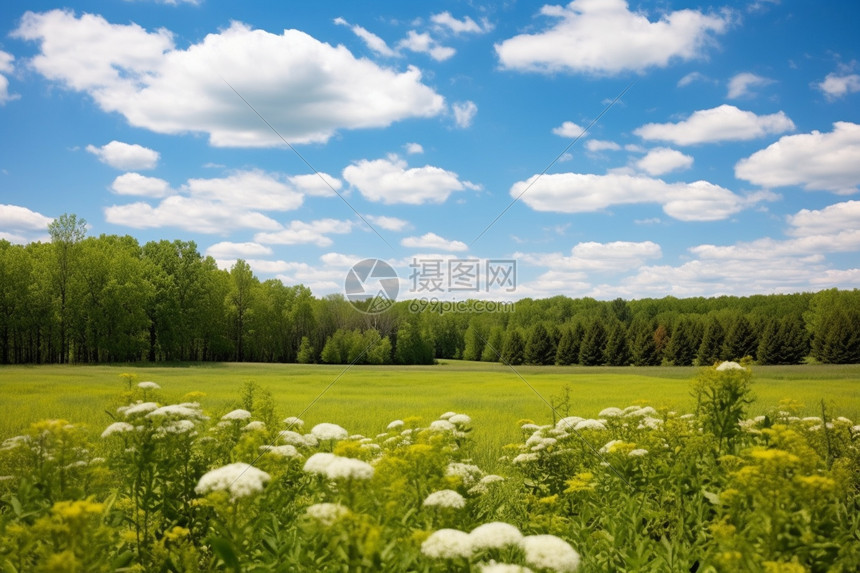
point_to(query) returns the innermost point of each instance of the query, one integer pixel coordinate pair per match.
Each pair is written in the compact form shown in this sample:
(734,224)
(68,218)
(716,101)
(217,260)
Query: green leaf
(16,506)
(8,567)
(224,549)
(714,498)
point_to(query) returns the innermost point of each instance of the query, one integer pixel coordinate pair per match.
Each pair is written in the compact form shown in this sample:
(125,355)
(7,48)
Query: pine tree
(539,349)
(617,347)
(495,345)
(838,339)
(568,348)
(795,340)
(473,341)
(711,348)
(591,351)
(514,348)
(741,340)
(682,346)
(643,350)
(306,351)
(769,343)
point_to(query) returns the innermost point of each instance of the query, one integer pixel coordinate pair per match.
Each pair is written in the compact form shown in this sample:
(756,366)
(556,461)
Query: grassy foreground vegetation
(195,468)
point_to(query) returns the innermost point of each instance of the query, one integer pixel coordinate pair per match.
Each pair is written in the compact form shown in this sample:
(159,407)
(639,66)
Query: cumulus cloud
(596,145)
(664,160)
(300,232)
(388,223)
(125,156)
(743,84)
(433,241)
(691,78)
(307,88)
(815,161)
(371,40)
(594,256)
(391,181)
(188,213)
(227,250)
(447,22)
(837,220)
(584,193)
(584,38)
(464,113)
(140,185)
(318,184)
(255,190)
(6,67)
(424,43)
(723,123)
(414,148)
(20,225)
(569,130)
(837,85)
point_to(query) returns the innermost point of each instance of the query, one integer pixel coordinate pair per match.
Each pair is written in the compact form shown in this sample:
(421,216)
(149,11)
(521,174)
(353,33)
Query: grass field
(365,398)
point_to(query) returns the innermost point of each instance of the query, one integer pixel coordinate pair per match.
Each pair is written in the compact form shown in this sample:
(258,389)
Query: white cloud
(316,184)
(388,223)
(247,190)
(140,185)
(391,181)
(836,85)
(423,43)
(374,42)
(605,37)
(125,156)
(569,130)
(17,218)
(592,256)
(190,214)
(465,26)
(834,220)
(741,85)
(228,250)
(596,145)
(299,232)
(585,193)
(464,113)
(309,89)
(414,148)
(433,241)
(692,77)
(816,161)
(6,67)
(723,123)
(664,160)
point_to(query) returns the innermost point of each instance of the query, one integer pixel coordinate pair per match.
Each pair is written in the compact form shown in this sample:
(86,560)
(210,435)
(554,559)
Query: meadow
(465,467)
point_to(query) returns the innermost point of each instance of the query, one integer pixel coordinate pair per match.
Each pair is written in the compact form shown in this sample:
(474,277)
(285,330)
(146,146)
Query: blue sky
(306,136)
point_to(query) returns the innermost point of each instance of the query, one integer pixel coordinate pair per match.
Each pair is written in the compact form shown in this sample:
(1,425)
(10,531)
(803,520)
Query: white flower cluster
(186,410)
(149,386)
(240,479)
(117,428)
(337,467)
(297,439)
(238,414)
(468,473)
(137,408)
(445,498)
(294,422)
(327,514)
(286,451)
(550,552)
(326,432)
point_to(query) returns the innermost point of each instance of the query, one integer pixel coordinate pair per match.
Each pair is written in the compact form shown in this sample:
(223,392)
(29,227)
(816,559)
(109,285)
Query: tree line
(80,299)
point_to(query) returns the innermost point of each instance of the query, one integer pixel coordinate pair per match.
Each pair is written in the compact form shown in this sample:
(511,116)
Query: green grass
(364,399)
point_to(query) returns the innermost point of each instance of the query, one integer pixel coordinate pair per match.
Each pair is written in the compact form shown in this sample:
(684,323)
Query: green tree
(617,346)
(67,232)
(592,349)
(539,349)
(513,351)
(411,347)
(741,339)
(306,353)
(494,347)
(568,346)
(239,303)
(683,343)
(838,338)
(643,350)
(711,347)
(474,341)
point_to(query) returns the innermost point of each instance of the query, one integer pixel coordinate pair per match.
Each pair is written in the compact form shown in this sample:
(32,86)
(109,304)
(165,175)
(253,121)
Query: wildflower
(494,535)
(138,408)
(293,438)
(117,428)
(240,479)
(317,463)
(492,478)
(348,468)
(294,422)
(176,427)
(729,365)
(544,444)
(524,458)
(149,386)
(447,415)
(442,426)
(238,414)
(611,412)
(549,552)
(394,425)
(188,410)
(327,431)
(282,451)
(445,498)
(447,544)
(460,420)
(580,482)
(254,426)
(568,423)
(327,514)
(637,453)
(493,567)
(650,423)
(589,425)
(637,412)
(467,472)
(529,427)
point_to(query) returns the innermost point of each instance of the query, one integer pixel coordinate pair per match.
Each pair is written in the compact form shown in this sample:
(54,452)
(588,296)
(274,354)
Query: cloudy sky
(612,148)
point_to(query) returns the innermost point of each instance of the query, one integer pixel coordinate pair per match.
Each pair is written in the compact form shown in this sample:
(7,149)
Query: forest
(83,299)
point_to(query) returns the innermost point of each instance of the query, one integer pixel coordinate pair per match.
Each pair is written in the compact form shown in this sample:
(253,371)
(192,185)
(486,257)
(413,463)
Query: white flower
(528,427)
(524,458)
(460,419)
(650,423)
(492,478)
(149,386)
(493,567)
(237,415)
(844,420)
(177,410)
(317,463)
(139,408)
(611,412)
(445,498)
(467,472)
(544,444)
(856,429)
(589,425)
(294,422)
(296,439)
(442,426)
(729,365)
(638,452)
(287,451)
(636,412)
(394,425)
(348,468)
(239,479)
(447,415)
(327,513)
(535,439)
(254,426)
(117,428)
(608,446)
(550,552)
(495,535)
(568,423)
(326,431)
(447,544)
(176,427)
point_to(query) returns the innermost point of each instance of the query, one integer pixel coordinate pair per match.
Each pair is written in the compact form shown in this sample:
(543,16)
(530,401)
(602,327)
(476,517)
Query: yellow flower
(820,483)
(778,567)
(580,482)
(76,509)
(549,500)
(177,533)
(780,457)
